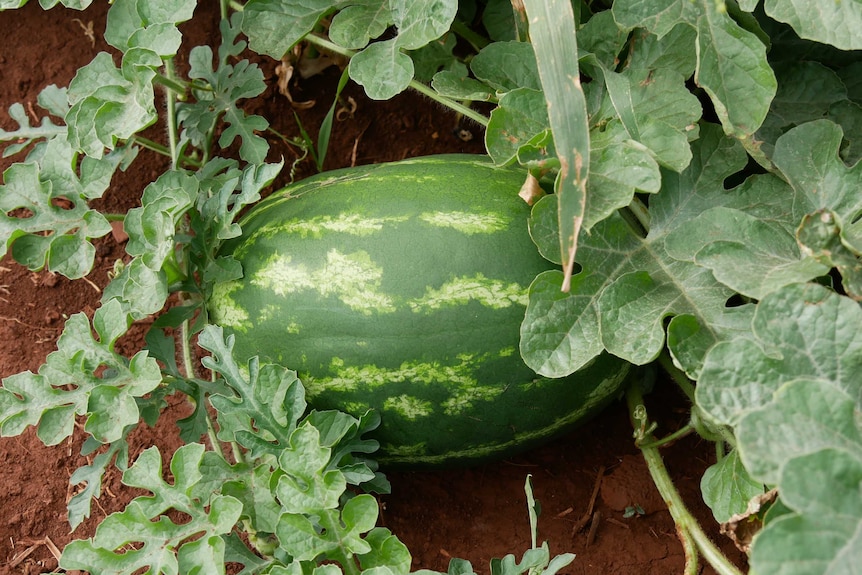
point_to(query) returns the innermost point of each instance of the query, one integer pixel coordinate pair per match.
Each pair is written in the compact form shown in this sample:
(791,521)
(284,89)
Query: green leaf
(91,476)
(269,399)
(83,377)
(552,30)
(387,551)
(274,26)
(228,83)
(357,24)
(727,487)
(66,249)
(739,377)
(307,486)
(731,61)
(162,546)
(340,537)
(602,37)
(419,23)
(823,537)
(733,70)
(139,289)
(673,51)
(655,109)
(657,16)
(506,66)
(110,104)
(151,227)
(835,23)
(250,484)
(793,395)
(147,24)
(629,286)
(26,134)
(382,69)
(519,117)
(782,234)
(459,86)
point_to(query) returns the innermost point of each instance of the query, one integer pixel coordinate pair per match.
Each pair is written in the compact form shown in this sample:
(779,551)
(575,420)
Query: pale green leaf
(26,133)
(357,24)
(520,116)
(656,110)
(601,37)
(506,66)
(823,538)
(733,70)
(809,159)
(110,104)
(161,546)
(751,255)
(341,533)
(151,227)
(836,23)
(274,26)
(460,86)
(307,487)
(802,331)
(84,377)
(382,69)
(387,551)
(139,289)
(268,399)
(66,249)
(793,394)
(673,51)
(230,83)
(149,24)
(657,16)
(630,285)
(727,487)
(419,23)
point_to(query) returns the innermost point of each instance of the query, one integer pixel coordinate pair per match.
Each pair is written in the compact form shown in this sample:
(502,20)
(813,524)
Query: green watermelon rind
(401,287)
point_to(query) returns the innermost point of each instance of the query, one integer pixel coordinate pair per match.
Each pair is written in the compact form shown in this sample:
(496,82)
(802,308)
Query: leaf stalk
(687,525)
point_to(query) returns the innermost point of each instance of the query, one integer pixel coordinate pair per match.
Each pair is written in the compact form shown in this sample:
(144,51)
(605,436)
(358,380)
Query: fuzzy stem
(687,526)
(171,116)
(175,84)
(148,144)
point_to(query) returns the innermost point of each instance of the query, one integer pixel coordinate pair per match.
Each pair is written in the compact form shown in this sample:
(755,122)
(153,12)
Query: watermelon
(401,288)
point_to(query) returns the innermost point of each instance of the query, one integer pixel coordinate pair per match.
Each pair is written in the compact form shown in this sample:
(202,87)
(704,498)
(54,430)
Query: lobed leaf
(110,104)
(228,84)
(731,61)
(835,23)
(268,400)
(149,24)
(629,286)
(83,377)
(160,546)
(793,394)
(274,26)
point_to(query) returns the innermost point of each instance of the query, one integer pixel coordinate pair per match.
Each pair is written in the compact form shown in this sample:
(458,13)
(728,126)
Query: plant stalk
(687,525)
(170,97)
(466,111)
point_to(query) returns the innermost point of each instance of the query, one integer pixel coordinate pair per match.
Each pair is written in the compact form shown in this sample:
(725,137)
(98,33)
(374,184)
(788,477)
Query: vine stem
(687,526)
(171,98)
(466,111)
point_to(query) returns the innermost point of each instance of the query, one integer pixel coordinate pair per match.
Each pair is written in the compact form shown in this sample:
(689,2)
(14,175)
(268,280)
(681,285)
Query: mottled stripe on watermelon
(401,287)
